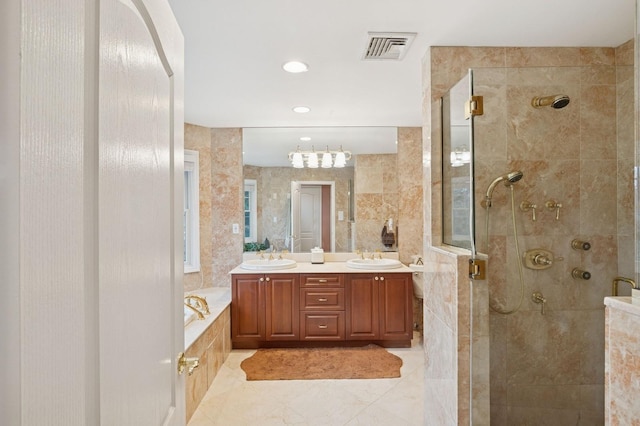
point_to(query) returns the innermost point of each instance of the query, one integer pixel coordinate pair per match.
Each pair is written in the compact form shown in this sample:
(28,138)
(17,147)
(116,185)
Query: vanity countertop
(322,268)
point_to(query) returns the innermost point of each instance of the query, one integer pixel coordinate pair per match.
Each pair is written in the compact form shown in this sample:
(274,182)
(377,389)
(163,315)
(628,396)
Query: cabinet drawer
(322,299)
(325,280)
(322,325)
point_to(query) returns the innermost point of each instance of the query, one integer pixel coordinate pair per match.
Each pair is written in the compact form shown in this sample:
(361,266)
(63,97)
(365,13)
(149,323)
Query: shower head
(509,178)
(554,101)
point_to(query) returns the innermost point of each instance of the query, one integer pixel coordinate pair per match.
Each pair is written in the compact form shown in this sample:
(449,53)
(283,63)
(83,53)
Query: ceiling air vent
(388,46)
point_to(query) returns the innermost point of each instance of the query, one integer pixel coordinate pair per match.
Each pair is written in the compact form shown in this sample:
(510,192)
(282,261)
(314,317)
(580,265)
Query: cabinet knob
(268,279)
(261,279)
(322,326)
(322,299)
(322,280)
(376,278)
(381,278)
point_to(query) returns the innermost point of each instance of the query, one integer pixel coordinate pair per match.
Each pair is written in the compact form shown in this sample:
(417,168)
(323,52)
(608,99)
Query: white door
(140,217)
(295,217)
(310,217)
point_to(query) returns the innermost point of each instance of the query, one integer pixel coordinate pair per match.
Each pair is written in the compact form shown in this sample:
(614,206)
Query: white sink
(268,265)
(373,263)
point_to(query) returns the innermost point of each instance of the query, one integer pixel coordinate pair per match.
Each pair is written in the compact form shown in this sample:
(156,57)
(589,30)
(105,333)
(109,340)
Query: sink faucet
(614,285)
(200,303)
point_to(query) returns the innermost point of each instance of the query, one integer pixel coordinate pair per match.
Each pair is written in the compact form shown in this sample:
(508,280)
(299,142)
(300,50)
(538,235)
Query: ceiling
(234,51)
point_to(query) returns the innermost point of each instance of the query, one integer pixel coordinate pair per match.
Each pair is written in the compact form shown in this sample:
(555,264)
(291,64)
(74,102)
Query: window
(191,216)
(250,211)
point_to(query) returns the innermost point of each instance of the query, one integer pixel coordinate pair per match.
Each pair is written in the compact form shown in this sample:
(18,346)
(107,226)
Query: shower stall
(560,136)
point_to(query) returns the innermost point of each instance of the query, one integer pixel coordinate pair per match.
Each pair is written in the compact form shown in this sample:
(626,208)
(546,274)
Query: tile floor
(231,400)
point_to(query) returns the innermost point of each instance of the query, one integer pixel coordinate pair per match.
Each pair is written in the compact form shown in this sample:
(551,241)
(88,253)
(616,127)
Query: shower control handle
(537,297)
(539,259)
(525,206)
(553,205)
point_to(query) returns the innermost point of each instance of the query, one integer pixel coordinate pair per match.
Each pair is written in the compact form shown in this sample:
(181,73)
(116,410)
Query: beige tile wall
(221,192)
(547,366)
(198,138)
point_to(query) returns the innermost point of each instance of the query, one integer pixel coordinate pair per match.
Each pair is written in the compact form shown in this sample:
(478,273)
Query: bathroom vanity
(321,305)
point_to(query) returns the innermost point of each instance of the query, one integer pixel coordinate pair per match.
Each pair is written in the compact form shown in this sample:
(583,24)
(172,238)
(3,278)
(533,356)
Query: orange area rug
(368,362)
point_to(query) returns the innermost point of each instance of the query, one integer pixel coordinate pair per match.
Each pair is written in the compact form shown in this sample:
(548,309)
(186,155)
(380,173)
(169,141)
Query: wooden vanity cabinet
(322,307)
(264,307)
(380,307)
(289,309)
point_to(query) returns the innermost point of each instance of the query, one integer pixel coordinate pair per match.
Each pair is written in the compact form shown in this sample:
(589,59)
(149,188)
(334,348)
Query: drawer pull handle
(322,326)
(322,281)
(322,299)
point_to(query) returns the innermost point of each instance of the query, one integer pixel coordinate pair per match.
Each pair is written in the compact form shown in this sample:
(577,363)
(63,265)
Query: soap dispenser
(317,255)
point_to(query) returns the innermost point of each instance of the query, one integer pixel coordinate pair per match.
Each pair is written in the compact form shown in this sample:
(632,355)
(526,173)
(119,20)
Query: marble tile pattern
(376,198)
(551,367)
(232,400)
(622,363)
(410,205)
(198,138)
(227,192)
(212,348)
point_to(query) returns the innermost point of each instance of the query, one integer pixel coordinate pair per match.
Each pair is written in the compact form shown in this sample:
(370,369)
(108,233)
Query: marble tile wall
(572,156)
(198,138)
(410,206)
(376,198)
(227,195)
(212,348)
(622,365)
(221,192)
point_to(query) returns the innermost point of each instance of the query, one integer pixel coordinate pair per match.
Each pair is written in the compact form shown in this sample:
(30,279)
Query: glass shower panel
(457,167)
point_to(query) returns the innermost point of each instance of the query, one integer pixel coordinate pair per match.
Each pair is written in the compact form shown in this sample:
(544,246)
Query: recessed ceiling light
(301,109)
(295,67)
(305,138)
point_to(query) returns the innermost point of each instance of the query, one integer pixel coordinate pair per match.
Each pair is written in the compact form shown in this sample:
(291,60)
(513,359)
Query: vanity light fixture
(301,109)
(312,159)
(329,158)
(460,156)
(295,67)
(296,159)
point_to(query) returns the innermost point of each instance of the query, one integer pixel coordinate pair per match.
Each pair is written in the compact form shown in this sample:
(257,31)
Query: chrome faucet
(614,284)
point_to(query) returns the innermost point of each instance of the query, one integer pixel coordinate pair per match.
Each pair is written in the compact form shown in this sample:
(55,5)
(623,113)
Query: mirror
(328,206)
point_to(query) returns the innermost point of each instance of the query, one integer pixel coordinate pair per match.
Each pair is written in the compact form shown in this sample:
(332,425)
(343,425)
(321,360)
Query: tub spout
(616,280)
(197,302)
(198,313)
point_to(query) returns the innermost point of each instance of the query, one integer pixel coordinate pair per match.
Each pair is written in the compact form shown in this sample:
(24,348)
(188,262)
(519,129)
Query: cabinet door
(282,297)
(362,305)
(396,306)
(247,308)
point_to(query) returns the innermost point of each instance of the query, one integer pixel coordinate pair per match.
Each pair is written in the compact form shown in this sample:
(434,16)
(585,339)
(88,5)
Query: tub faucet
(614,285)
(200,303)
(198,313)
